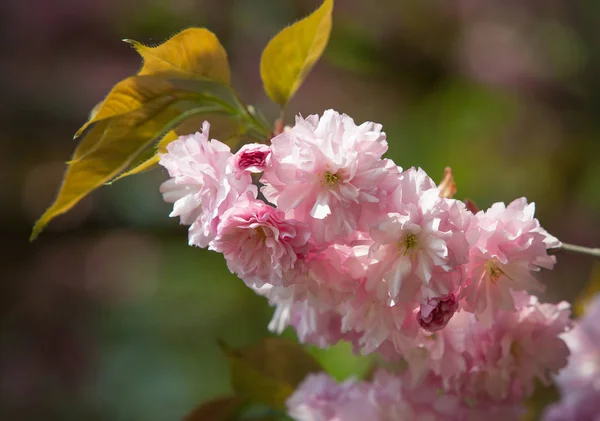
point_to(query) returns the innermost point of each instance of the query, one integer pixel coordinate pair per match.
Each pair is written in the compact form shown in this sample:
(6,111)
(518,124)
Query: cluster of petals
(348,246)
(389,397)
(506,244)
(579,382)
(203,184)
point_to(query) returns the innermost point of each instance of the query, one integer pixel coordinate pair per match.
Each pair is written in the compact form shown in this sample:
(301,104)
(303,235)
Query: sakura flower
(446,352)
(498,362)
(506,245)
(418,240)
(400,399)
(389,398)
(579,381)
(378,322)
(202,185)
(321,398)
(322,328)
(251,158)
(506,356)
(259,244)
(324,169)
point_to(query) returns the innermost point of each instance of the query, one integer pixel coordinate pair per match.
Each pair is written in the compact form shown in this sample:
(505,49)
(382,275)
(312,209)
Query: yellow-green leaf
(102,163)
(192,53)
(269,372)
(152,162)
(128,95)
(112,144)
(292,53)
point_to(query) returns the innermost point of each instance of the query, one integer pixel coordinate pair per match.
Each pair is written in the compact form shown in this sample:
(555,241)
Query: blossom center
(260,233)
(409,243)
(331,179)
(494,271)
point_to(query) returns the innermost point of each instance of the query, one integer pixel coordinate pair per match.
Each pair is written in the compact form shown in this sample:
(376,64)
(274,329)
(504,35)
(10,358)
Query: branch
(580,249)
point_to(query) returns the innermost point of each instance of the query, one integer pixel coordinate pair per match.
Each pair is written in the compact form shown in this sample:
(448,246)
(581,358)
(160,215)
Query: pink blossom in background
(251,158)
(506,245)
(389,397)
(507,354)
(324,169)
(202,185)
(497,362)
(579,382)
(259,244)
(320,398)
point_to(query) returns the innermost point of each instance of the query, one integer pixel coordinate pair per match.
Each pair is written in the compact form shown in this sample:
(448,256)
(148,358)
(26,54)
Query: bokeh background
(109,315)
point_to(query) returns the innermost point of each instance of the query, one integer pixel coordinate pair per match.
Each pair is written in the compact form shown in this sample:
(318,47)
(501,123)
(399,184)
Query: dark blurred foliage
(109,315)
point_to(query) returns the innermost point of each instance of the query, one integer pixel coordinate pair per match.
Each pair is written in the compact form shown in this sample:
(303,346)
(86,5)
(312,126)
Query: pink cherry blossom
(498,362)
(259,244)
(251,158)
(507,357)
(324,169)
(418,240)
(315,326)
(506,245)
(389,398)
(202,184)
(579,382)
(321,398)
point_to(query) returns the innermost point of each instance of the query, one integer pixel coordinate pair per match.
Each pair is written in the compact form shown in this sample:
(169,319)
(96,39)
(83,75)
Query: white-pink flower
(418,240)
(506,244)
(324,169)
(259,244)
(252,158)
(202,184)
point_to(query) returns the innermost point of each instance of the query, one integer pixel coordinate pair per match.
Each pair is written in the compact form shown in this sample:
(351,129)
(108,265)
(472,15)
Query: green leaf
(292,53)
(192,53)
(269,372)
(112,144)
(220,409)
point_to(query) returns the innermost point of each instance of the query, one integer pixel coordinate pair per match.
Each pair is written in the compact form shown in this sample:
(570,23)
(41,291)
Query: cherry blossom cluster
(348,246)
(579,382)
(389,397)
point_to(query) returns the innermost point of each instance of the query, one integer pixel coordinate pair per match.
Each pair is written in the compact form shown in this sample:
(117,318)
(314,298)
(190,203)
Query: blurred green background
(109,315)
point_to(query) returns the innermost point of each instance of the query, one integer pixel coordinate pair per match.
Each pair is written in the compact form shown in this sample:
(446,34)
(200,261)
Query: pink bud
(437,312)
(252,158)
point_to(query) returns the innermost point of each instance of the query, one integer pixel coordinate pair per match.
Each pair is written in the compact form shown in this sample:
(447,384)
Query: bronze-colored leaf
(219,409)
(269,371)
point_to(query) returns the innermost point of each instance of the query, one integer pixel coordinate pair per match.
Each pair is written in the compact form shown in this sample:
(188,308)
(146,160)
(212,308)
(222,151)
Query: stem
(282,117)
(580,249)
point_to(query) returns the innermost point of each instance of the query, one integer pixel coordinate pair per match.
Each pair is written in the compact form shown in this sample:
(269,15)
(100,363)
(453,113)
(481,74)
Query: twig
(580,249)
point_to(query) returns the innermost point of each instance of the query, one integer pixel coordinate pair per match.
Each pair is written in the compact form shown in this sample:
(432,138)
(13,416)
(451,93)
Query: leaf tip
(37,229)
